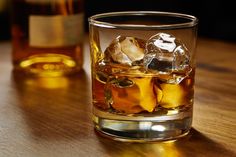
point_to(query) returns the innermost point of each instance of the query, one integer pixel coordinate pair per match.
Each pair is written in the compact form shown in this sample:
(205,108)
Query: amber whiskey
(47,36)
(132,92)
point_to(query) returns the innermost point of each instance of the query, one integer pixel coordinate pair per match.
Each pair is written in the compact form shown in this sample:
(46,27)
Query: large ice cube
(168,56)
(125,50)
(174,95)
(131,95)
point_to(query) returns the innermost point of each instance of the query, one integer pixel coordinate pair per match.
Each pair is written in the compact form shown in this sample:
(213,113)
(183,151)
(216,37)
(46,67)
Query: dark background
(216,17)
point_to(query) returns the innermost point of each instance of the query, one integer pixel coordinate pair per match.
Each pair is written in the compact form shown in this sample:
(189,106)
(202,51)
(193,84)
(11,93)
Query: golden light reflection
(166,149)
(160,149)
(25,81)
(48,82)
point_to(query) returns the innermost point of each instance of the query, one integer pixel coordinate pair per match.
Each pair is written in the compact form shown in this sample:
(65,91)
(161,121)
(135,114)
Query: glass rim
(94,20)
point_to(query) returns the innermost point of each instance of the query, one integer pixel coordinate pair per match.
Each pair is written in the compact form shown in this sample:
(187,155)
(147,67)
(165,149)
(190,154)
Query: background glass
(143,71)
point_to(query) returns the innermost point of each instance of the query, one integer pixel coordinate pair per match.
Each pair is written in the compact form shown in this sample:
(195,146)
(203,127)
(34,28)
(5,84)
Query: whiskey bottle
(47,36)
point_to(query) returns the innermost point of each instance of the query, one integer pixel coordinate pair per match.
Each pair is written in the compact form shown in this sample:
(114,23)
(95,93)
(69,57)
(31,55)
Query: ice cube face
(125,51)
(167,55)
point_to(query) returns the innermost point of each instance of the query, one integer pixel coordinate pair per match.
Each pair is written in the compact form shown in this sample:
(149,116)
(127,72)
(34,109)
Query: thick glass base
(142,128)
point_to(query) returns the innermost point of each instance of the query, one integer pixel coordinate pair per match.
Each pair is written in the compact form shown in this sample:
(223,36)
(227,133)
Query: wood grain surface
(48,117)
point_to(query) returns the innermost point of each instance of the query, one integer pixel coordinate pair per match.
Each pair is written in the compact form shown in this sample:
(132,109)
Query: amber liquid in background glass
(47,36)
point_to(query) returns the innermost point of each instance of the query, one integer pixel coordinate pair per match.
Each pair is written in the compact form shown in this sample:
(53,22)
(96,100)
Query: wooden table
(52,117)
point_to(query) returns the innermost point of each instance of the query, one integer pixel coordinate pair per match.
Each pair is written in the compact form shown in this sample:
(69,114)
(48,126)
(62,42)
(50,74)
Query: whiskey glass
(143,68)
